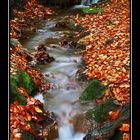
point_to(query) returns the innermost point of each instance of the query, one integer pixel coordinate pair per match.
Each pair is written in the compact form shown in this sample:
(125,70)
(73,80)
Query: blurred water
(79,6)
(39,97)
(88,2)
(61,73)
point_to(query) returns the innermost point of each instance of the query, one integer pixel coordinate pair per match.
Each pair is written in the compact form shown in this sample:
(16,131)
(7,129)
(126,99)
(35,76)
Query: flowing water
(79,6)
(61,73)
(88,2)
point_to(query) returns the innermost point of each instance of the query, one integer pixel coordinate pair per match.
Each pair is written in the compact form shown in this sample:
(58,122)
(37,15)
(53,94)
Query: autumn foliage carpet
(107,54)
(27,121)
(107,57)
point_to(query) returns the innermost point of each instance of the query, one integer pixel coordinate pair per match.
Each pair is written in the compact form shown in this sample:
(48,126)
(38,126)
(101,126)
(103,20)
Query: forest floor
(106,57)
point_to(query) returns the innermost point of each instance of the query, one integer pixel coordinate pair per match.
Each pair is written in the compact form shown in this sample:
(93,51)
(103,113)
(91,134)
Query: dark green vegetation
(93,90)
(14,92)
(26,136)
(26,81)
(108,130)
(100,113)
(22,79)
(92,10)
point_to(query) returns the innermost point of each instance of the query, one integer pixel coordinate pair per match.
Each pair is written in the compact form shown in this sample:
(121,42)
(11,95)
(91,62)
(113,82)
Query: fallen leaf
(37,109)
(114,115)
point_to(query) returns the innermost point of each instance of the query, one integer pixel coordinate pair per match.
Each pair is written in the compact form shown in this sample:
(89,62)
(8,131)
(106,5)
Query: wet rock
(80,76)
(60,24)
(52,40)
(73,44)
(81,124)
(107,129)
(54,46)
(70,24)
(100,112)
(52,132)
(50,127)
(64,43)
(93,90)
(35,21)
(71,87)
(52,115)
(81,46)
(22,51)
(42,56)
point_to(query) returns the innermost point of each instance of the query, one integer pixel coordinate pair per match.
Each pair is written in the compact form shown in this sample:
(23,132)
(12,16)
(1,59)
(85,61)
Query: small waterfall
(66,132)
(88,2)
(85,4)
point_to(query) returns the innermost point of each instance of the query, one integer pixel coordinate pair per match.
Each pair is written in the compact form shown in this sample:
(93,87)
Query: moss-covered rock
(26,136)
(14,92)
(107,130)
(100,113)
(26,81)
(21,79)
(93,90)
(92,10)
(69,24)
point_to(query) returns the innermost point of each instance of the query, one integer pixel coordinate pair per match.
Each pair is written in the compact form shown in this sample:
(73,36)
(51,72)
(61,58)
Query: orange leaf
(28,117)
(125,127)
(114,115)
(126,136)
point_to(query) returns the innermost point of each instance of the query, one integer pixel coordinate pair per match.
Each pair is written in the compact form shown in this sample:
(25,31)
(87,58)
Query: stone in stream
(64,43)
(100,112)
(80,123)
(70,24)
(95,89)
(42,56)
(80,76)
(107,129)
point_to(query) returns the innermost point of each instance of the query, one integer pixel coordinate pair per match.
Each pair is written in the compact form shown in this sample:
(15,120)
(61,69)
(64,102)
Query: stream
(61,73)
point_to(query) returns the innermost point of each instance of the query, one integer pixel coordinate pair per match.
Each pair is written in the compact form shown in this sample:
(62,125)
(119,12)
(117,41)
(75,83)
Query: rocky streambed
(60,35)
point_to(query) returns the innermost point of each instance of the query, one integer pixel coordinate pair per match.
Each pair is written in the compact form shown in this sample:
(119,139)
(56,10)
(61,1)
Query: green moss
(100,113)
(26,136)
(22,79)
(94,90)
(26,81)
(92,10)
(14,93)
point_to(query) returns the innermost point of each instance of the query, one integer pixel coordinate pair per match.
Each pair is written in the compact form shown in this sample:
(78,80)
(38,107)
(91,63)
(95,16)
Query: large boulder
(81,124)
(107,130)
(93,90)
(100,112)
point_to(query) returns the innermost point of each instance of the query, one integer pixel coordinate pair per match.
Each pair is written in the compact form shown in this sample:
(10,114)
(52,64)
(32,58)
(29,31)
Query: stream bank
(65,57)
(62,98)
(64,106)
